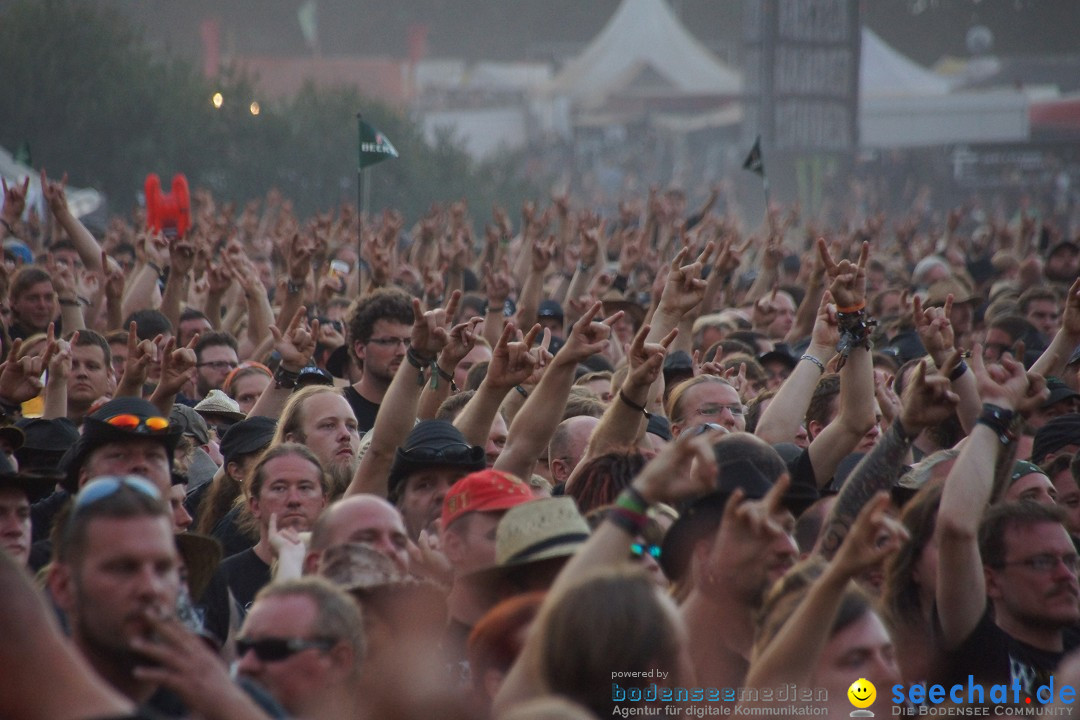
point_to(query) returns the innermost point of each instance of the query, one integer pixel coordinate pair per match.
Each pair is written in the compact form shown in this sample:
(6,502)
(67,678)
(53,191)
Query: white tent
(643,44)
(902,104)
(82,202)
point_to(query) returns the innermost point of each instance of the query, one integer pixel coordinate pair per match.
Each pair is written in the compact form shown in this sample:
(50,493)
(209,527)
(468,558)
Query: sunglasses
(278,649)
(134,423)
(101,488)
(640,550)
(454,452)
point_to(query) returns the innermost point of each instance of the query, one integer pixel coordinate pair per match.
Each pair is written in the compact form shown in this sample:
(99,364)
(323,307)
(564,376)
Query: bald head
(360,519)
(568,444)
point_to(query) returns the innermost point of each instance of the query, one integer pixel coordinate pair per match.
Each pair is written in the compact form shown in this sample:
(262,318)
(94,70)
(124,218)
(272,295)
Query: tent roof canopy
(643,44)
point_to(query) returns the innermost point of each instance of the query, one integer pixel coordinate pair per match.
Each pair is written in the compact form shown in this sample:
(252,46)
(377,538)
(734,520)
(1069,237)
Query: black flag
(754,162)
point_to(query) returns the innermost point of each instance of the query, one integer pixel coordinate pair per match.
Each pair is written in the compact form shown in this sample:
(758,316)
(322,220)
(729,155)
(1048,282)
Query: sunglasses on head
(278,649)
(640,550)
(104,487)
(134,423)
(454,452)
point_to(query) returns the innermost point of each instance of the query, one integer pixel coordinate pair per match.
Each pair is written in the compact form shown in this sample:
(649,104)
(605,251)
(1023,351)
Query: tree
(95,101)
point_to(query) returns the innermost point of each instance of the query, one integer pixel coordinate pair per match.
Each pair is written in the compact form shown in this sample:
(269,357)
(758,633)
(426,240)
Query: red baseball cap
(483,491)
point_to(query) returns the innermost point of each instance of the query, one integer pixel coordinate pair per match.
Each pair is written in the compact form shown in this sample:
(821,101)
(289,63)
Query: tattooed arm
(927,401)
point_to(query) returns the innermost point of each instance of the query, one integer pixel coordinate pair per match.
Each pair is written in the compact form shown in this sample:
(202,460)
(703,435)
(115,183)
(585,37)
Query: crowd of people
(568,467)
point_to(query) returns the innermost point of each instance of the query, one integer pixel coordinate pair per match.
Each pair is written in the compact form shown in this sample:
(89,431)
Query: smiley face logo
(862,693)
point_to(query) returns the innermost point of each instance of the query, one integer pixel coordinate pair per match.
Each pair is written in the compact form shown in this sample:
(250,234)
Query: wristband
(7,225)
(853,309)
(632,500)
(440,373)
(630,403)
(811,358)
(997,419)
(293,288)
(958,371)
(521,391)
(632,522)
(285,379)
(65,302)
(155,267)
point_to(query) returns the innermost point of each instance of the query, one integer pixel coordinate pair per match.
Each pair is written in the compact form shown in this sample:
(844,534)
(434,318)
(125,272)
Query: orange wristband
(852,309)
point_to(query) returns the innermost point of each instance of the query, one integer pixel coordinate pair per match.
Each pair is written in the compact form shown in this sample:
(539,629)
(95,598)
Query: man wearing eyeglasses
(379,331)
(303,641)
(1007,594)
(215,358)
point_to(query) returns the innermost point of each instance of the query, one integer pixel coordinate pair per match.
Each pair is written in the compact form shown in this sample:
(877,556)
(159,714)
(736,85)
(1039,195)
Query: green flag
(374,147)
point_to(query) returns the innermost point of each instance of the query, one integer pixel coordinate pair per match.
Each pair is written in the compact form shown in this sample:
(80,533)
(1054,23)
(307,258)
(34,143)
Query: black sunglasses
(454,452)
(278,649)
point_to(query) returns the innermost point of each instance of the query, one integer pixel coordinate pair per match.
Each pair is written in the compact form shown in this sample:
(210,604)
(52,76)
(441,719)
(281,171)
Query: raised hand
(588,335)
(497,283)
(848,280)
(927,401)
(684,469)
(542,253)
(684,287)
(14,200)
(512,363)
(297,343)
(647,359)
(53,192)
(20,380)
(181,255)
(431,329)
(461,341)
(873,537)
(1007,384)
(1070,319)
(934,328)
(177,366)
(59,366)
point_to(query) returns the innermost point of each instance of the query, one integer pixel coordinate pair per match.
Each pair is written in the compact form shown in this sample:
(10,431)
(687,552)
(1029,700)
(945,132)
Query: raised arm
(787,412)
(961,586)
(927,402)
(856,416)
(181,261)
(624,419)
(85,244)
(177,370)
(1067,338)
(295,345)
(543,410)
(511,364)
(791,656)
(685,468)
(397,412)
(938,338)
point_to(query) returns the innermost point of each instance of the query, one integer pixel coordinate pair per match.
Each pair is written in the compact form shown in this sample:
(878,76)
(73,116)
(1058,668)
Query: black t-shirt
(245,574)
(364,409)
(227,532)
(994,657)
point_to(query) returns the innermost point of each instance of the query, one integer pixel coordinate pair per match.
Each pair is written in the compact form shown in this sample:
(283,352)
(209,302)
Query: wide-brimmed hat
(35,485)
(45,442)
(433,444)
(122,419)
(217,403)
(546,530)
(613,302)
(958,288)
(201,555)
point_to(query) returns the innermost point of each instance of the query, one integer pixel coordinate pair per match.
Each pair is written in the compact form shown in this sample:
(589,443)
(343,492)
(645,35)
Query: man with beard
(1007,593)
(379,330)
(116,577)
(287,489)
(320,418)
